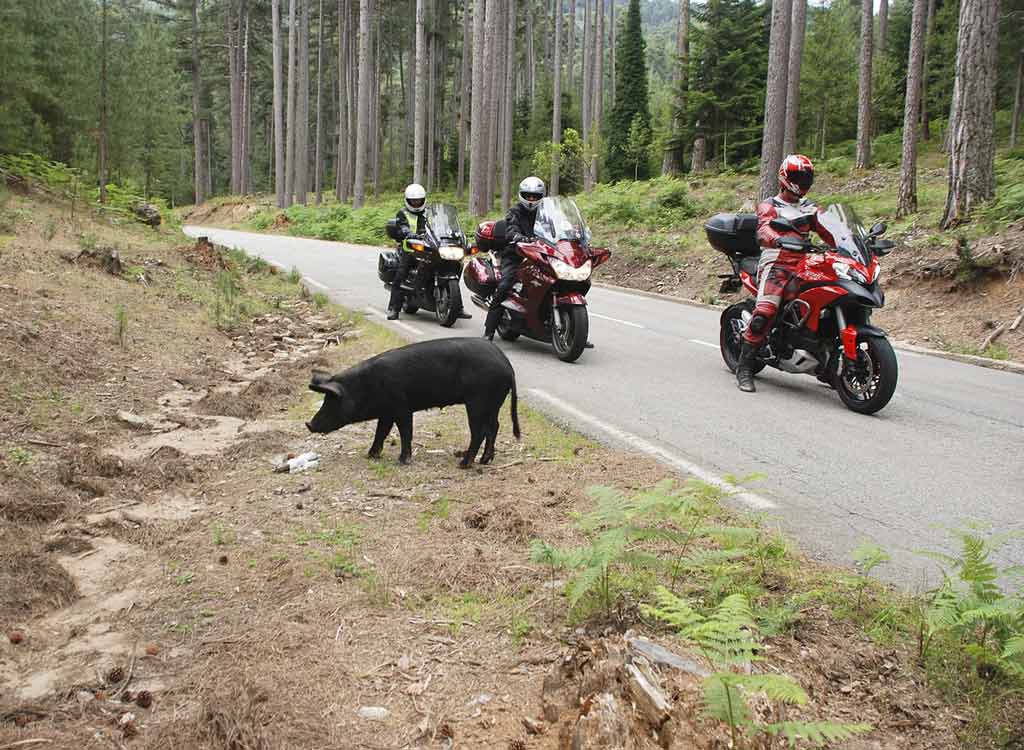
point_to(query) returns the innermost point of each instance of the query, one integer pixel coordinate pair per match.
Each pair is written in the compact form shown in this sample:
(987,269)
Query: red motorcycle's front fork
(848,336)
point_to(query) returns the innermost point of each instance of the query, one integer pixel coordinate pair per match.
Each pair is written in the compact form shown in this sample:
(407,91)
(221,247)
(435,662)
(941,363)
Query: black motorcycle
(433,279)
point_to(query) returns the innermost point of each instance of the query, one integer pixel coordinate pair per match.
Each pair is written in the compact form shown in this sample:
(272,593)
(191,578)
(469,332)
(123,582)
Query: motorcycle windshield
(558,219)
(443,220)
(846,229)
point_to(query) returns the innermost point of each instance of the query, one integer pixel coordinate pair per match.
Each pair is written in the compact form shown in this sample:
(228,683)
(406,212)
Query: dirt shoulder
(162,586)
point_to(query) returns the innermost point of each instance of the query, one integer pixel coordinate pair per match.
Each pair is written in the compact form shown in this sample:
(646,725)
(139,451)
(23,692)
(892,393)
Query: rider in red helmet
(777,267)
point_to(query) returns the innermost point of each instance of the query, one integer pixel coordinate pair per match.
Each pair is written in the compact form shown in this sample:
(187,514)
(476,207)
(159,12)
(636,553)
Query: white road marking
(704,343)
(616,320)
(400,324)
(645,446)
(317,284)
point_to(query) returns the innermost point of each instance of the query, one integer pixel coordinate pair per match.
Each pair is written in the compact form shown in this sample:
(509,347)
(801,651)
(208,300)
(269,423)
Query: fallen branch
(34,441)
(22,743)
(1017,321)
(992,337)
(131,671)
(506,466)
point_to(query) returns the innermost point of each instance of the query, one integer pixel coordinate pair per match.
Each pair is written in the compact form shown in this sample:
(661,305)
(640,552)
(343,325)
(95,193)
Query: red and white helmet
(796,174)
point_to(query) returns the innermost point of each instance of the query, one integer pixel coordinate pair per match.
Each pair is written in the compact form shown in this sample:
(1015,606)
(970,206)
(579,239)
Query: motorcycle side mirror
(878,229)
(782,225)
(883,247)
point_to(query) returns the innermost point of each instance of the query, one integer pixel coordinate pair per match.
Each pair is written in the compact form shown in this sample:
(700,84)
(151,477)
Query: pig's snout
(309,426)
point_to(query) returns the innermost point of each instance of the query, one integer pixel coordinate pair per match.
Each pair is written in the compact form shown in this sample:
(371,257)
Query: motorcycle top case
(733,234)
(480,277)
(490,236)
(387,266)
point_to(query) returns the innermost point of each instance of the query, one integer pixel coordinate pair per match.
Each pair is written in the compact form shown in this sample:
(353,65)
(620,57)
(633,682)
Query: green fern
(725,636)
(817,733)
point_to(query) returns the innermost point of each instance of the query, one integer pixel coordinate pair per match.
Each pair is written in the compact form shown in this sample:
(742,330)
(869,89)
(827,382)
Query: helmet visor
(531,197)
(802,178)
(415,202)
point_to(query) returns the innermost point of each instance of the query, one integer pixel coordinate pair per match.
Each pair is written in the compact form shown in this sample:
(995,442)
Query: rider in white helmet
(518,228)
(415,202)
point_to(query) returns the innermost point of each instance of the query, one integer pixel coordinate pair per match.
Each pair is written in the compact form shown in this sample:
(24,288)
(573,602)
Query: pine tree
(775,95)
(864,88)
(907,202)
(632,100)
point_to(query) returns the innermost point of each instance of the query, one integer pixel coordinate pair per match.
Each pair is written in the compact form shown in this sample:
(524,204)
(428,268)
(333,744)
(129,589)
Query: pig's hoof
(373,453)
(404,460)
(463,464)
(486,459)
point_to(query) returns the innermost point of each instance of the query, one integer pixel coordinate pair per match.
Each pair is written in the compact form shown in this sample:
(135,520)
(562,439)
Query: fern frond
(673,610)
(1014,647)
(613,508)
(731,536)
(869,556)
(710,558)
(584,583)
(724,701)
(776,686)
(817,733)
(1003,611)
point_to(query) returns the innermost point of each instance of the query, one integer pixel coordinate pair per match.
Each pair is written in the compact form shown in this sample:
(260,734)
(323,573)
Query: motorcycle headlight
(844,271)
(451,252)
(567,273)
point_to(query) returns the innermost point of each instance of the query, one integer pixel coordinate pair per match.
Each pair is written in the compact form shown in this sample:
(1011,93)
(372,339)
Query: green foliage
(637,147)
(631,101)
(970,610)
(226,299)
(570,157)
(867,556)
(726,637)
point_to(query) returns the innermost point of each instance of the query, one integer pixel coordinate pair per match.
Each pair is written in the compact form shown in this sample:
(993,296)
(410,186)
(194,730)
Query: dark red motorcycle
(548,302)
(823,327)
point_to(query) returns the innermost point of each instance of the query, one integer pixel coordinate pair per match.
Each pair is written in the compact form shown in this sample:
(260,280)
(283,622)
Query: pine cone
(144,699)
(115,676)
(516,745)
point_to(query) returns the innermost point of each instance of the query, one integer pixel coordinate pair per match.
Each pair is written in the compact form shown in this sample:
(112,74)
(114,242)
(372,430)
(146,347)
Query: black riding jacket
(519,224)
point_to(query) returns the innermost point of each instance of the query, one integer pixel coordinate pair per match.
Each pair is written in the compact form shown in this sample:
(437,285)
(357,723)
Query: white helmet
(415,198)
(531,191)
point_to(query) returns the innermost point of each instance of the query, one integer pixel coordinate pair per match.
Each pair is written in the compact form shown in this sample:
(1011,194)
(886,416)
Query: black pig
(428,374)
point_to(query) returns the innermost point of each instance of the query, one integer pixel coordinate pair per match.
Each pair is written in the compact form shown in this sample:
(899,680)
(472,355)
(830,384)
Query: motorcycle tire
(729,340)
(575,324)
(505,330)
(410,308)
(448,299)
(883,372)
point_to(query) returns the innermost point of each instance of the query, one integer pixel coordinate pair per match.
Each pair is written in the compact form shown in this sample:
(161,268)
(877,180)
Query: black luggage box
(387,266)
(733,234)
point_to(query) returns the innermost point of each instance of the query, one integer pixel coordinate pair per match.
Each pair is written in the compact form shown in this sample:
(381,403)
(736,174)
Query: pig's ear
(322,384)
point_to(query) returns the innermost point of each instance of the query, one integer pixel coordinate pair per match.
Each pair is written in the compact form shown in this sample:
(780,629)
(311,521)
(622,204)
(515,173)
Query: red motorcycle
(823,327)
(548,302)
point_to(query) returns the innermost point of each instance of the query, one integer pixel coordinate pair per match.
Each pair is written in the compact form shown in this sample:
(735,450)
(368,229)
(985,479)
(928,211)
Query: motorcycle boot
(745,369)
(491,323)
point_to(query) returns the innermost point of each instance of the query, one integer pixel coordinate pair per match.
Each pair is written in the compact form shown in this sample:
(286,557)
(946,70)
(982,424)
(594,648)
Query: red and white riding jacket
(799,212)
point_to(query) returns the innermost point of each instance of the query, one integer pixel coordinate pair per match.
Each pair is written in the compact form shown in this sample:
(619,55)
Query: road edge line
(643,445)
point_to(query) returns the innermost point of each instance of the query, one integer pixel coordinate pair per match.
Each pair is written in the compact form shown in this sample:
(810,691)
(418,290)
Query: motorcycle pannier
(387,266)
(733,234)
(479,276)
(490,236)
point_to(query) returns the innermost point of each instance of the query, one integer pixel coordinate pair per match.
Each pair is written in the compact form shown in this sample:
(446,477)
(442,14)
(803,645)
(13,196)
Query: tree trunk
(588,39)
(244,167)
(796,54)
(775,97)
(342,176)
(477,121)
(375,121)
(570,49)
(302,105)
(430,121)
(289,170)
(556,108)
(907,201)
(1017,103)
(234,100)
(531,66)
(864,88)
(672,159)
(365,84)
(102,171)
(510,97)
(318,167)
(197,127)
(419,87)
(972,138)
(598,113)
(495,64)
(699,155)
(611,73)
(926,131)
(464,87)
(883,25)
(208,142)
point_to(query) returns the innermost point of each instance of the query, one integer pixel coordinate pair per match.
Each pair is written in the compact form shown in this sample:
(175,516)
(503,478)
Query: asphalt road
(947,450)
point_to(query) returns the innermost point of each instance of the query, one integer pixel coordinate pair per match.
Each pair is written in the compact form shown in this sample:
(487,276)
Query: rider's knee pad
(758,324)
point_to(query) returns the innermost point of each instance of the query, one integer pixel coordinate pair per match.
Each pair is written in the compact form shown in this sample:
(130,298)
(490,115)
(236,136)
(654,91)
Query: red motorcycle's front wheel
(569,332)
(867,385)
(730,337)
